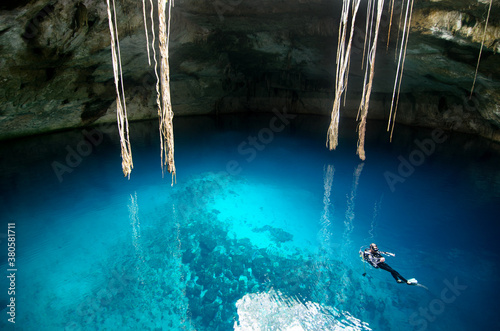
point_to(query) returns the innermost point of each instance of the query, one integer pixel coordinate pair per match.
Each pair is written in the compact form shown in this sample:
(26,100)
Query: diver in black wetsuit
(373,256)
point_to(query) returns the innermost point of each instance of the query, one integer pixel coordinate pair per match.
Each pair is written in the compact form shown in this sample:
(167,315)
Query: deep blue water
(262,229)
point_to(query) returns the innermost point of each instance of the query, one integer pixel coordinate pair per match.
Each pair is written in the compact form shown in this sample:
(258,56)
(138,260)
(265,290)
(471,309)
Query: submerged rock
(277,235)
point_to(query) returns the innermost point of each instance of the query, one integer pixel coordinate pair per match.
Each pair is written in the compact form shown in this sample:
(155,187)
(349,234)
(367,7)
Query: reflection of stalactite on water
(325,218)
(346,250)
(136,235)
(375,218)
(178,272)
(349,214)
(323,263)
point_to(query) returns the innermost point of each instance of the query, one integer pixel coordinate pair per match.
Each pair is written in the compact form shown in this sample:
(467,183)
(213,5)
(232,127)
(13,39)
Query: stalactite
(146,29)
(368,28)
(354,12)
(165,112)
(121,108)
(367,89)
(399,30)
(163,99)
(368,45)
(343,56)
(153,47)
(391,4)
(481,49)
(401,64)
(332,135)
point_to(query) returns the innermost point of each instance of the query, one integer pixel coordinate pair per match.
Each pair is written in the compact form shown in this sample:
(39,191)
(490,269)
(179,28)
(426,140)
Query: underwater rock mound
(277,235)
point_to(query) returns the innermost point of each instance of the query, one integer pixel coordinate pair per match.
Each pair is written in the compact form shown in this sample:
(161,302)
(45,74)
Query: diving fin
(412,281)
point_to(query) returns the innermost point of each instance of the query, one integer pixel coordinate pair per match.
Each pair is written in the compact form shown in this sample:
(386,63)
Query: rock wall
(236,56)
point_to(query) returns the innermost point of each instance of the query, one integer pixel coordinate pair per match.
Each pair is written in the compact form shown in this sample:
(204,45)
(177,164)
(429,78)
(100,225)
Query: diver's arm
(387,253)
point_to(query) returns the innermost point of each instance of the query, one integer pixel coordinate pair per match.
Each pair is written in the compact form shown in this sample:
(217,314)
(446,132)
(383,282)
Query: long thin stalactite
(121,107)
(399,29)
(481,49)
(391,4)
(146,29)
(370,12)
(400,67)
(165,112)
(367,89)
(342,72)
(153,47)
(354,13)
(368,28)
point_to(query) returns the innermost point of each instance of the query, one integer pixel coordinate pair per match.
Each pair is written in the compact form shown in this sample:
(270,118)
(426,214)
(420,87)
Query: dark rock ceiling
(242,56)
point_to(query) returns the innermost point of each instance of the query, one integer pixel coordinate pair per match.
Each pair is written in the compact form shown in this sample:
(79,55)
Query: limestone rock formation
(235,56)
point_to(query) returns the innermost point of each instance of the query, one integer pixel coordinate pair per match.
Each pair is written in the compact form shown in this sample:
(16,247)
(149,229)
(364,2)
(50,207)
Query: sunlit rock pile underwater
(190,271)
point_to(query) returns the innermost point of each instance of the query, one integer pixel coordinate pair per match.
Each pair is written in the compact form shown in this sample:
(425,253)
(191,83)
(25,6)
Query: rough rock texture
(235,56)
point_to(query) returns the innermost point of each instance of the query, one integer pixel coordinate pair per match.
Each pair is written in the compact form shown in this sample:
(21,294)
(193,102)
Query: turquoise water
(257,234)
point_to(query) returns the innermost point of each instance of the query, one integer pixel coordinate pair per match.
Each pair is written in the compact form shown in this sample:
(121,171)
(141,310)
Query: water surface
(262,215)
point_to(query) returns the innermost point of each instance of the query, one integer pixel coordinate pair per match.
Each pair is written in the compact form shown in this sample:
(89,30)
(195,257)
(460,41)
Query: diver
(374,256)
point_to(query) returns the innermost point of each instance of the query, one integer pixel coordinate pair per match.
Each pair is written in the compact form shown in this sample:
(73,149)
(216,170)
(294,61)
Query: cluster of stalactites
(121,107)
(165,112)
(342,61)
(373,18)
(343,58)
(368,80)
